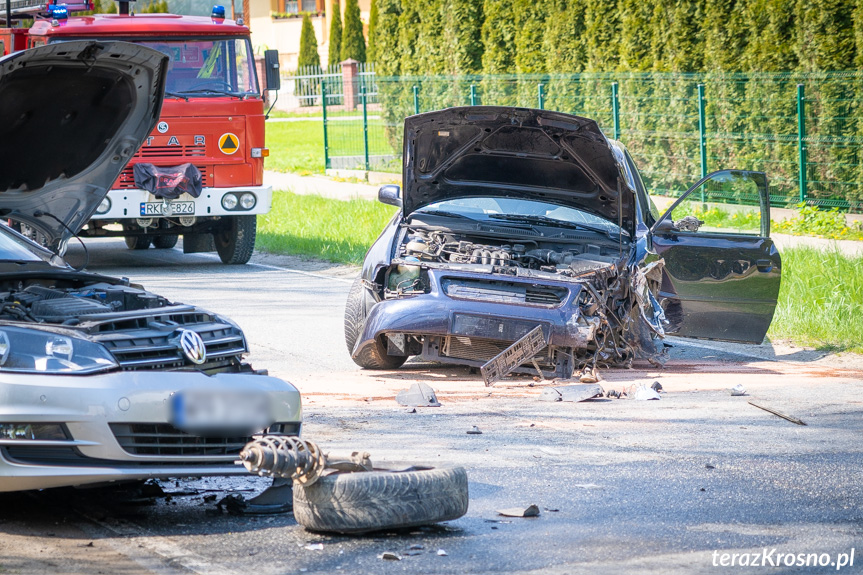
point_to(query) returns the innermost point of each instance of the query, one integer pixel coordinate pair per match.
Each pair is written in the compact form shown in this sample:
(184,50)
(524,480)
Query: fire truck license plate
(170,209)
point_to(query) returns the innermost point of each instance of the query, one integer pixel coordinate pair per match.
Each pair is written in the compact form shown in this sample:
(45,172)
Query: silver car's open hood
(72,114)
(513,152)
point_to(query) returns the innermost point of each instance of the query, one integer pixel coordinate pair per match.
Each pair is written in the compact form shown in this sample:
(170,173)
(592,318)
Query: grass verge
(296,147)
(821,300)
(321,228)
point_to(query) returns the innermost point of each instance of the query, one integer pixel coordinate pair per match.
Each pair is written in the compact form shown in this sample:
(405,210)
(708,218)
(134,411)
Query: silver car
(101,380)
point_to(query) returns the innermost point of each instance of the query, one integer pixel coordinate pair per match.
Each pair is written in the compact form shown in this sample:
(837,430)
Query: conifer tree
(498,37)
(463,36)
(409,26)
(335,52)
(308,45)
(602,47)
(353,41)
(635,52)
(387,57)
(371,52)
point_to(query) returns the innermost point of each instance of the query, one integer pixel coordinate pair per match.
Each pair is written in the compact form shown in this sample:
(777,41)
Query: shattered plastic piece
(575,393)
(418,395)
(529,511)
(777,413)
(710,466)
(411,410)
(589,375)
(390,556)
(474,431)
(643,393)
(441,553)
(738,390)
(416,547)
(616,394)
(315,546)
(657,387)
(519,352)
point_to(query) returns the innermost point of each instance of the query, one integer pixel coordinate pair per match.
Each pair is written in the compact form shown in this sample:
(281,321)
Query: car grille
(148,341)
(164,439)
(171,151)
(504,292)
(480,349)
(126,181)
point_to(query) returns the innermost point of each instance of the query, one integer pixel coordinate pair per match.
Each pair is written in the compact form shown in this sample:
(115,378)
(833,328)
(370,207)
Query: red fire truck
(212,117)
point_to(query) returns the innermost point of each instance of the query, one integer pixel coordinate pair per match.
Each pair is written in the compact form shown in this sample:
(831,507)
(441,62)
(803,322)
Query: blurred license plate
(207,412)
(169,209)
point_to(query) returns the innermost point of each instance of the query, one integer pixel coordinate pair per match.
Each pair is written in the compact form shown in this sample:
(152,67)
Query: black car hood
(513,152)
(72,114)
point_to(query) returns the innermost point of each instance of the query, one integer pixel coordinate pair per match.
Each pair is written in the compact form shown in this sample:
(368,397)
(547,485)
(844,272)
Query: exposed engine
(568,259)
(40,303)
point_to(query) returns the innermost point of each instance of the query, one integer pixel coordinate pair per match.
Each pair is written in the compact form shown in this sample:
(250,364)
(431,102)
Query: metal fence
(803,130)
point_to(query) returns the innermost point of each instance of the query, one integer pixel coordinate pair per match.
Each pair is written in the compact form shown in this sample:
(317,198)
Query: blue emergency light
(218,12)
(59,12)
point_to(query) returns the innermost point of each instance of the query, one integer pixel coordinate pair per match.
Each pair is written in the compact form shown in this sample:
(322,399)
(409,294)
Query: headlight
(34,351)
(104,207)
(248,201)
(229,201)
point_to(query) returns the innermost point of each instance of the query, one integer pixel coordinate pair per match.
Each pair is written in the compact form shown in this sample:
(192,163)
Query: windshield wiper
(551,222)
(214,91)
(440,213)
(176,95)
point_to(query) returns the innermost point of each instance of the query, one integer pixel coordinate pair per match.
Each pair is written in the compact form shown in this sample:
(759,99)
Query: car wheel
(165,242)
(356,309)
(236,243)
(370,501)
(138,242)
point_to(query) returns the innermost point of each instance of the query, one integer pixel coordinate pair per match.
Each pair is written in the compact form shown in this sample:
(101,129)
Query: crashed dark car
(513,219)
(101,380)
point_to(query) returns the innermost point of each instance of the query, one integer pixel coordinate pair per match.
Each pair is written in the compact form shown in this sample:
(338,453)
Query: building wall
(283,34)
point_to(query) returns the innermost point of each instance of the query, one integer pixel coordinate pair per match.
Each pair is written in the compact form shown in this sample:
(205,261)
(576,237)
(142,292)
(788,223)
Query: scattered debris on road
(507,361)
(642,393)
(418,395)
(441,553)
(315,547)
(738,390)
(474,431)
(390,556)
(575,393)
(657,387)
(777,413)
(529,511)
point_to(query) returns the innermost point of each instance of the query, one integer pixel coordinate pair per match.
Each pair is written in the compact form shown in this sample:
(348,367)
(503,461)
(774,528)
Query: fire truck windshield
(206,67)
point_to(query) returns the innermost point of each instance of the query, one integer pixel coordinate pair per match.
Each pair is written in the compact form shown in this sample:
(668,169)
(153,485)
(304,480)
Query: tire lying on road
(360,300)
(370,501)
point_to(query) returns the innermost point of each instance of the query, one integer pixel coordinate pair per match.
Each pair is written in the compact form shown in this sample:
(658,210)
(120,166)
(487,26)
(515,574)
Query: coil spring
(283,456)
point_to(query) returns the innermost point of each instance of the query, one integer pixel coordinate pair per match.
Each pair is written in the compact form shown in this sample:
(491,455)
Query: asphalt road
(623,486)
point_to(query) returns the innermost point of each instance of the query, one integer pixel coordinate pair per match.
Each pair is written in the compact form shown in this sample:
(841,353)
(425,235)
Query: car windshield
(14,248)
(514,209)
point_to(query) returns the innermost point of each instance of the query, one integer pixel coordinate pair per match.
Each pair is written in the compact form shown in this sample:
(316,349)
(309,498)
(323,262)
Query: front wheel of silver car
(372,356)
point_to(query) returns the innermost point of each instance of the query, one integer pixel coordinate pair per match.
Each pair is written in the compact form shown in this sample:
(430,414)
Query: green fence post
(801,137)
(615,110)
(324,112)
(702,131)
(540,96)
(365,123)
(416,99)
(473,95)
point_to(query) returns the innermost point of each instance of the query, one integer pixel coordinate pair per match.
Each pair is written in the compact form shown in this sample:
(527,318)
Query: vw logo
(162,127)
(193,346)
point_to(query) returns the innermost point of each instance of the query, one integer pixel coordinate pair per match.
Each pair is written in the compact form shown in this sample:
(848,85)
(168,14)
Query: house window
(297,6)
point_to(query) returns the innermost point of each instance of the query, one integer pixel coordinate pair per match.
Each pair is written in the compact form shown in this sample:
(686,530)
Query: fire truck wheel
(138,242)
(370,501)
(236,242)
(165,242)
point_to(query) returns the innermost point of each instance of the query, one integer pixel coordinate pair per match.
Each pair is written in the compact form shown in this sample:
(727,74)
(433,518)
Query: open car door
(722,277)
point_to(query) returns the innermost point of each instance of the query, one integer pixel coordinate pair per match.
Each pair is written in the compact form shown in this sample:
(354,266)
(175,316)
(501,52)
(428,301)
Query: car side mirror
(664,226)
(390,194)
(271,70)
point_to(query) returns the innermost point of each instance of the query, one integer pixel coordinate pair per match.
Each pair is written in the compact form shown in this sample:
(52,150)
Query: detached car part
(352,496)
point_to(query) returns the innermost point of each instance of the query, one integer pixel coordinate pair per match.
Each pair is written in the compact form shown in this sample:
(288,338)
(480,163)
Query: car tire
(138,242)
(165,242)
(370,501)
(356,310)
(236,242)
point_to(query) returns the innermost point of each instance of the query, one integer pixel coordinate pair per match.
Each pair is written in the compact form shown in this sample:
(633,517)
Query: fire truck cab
(212,117)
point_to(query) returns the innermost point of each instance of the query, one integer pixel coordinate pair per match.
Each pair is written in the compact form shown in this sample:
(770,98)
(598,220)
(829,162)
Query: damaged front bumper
(465,318)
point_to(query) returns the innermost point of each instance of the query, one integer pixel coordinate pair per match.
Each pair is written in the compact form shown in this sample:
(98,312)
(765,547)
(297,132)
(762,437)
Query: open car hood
(72,114)
(513,152)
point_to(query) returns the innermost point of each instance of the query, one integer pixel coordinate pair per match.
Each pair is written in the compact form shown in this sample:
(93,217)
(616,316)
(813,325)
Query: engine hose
(284,456)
